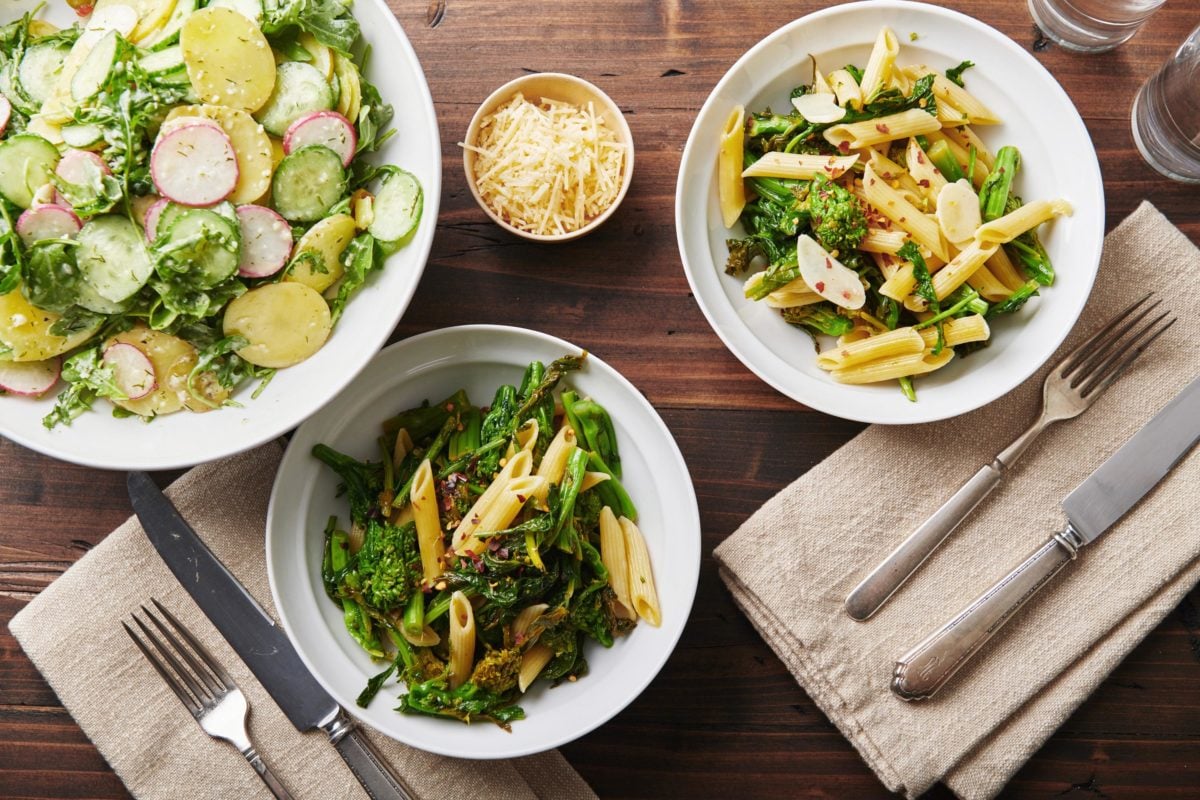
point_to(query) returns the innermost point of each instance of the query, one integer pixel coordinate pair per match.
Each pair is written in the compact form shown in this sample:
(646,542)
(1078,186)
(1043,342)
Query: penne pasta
(504,509)
(880,194)
(790,295)
(730,189)
(1005,271)
(429,527)
(946,90)
(527,436)
(879,65)
(593,479)
(1027,217)
(524,618)
(554,463)
(462,639)
(846,89)
(927,176)
(854,135)
(799,166)
(889,369)
(642,591)
(518,465)
(964,137)
(533,661)
(900,342)
(961,267)
(958,331)
(989,287)
(615,559)
(403,446)
(880,240)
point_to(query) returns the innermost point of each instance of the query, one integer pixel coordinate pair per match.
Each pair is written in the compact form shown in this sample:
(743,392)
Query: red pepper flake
(879,126)
(924,182)
(902,219)
(843,147)
(846,293)
(887,176)
(872,181)
(1000,170)
(828,264)
(820,286)
(920,157)
(845,354)
(521,498)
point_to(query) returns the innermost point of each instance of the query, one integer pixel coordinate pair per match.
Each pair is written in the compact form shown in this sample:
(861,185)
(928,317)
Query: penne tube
(462,639)
(891,172)
(501,513)
(949,115)
(958,331)
(879,66)
(961,267)
(593,479)
(554,463)
(989,287)
(404,446)
(946,90)
(1027,217)
(527,436)
(846,89)
(927,176)
(889,202)
(900,342)
(963,157)
(879,240)
(518,465)
(889,369)
(642,592)
(901,283)
(429,527)
(790,295)
(855,135)
(964,137)
(730,188)
(533,661)
(801,166)
(1005,271)
(820,85)
(524,618)
(612,554)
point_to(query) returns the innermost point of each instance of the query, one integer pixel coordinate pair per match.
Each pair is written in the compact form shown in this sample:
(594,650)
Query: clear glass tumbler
(1166,115)
(1091,26)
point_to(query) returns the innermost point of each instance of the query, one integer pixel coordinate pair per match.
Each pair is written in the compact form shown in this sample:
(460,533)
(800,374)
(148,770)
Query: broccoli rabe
(388,565)
(838,220)
(497,671)
(819,318)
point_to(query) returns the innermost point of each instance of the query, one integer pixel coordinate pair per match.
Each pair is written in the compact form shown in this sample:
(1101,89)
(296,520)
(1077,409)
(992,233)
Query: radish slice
(150,223)
(132,370)
(182,122)
(78,167)
(47,222)
(327,128)
(827,276)
(29,378)
(5,113)
(266,241)
(195,165)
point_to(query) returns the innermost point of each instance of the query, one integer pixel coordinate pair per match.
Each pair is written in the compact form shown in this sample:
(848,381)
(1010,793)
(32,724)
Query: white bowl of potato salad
(876,215)
(212,214)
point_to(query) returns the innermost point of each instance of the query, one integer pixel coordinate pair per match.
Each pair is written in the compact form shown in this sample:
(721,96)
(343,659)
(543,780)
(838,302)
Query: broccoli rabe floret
(498,670)
(388,565)
(838,220)
(819,318)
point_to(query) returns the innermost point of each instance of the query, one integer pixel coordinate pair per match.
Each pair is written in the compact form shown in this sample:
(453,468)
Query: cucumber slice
(299,89)
(112,257)
(27,163)
(82,137)
(308,183)
(163,62)
(168,34)
(10,88)
(40,70)
(94,71)
(89,298)
(173,211)
(398,205)
(211,243)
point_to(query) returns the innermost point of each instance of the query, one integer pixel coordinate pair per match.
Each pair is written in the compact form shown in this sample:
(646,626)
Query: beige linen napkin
(793,562)
(72,633)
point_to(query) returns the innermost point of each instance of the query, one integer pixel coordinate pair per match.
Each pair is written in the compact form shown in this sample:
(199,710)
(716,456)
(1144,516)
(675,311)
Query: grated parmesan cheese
(547,168)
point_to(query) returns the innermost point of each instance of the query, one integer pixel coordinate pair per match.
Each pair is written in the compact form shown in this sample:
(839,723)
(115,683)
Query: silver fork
(201,684)
(1068,391)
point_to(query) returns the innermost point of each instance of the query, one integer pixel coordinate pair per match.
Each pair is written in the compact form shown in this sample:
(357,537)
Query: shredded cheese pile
(547,168)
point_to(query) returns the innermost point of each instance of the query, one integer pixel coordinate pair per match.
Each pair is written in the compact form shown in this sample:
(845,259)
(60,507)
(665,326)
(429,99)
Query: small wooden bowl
(565,88)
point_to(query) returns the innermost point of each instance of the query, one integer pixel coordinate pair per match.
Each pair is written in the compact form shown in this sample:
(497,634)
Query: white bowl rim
(821,399)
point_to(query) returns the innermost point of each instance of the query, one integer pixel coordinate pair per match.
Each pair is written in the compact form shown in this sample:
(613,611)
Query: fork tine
(1101,381)
(214,666)
(1101,350)
(213,684)
(1068,363)
(198,690)
(184,697)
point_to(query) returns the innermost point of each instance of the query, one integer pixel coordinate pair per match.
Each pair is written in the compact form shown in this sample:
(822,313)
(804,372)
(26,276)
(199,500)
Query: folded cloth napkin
(73,634)
(791,565)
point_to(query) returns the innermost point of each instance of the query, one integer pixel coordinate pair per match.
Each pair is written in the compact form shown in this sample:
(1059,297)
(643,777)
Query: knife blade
(259,642)
(1097,504)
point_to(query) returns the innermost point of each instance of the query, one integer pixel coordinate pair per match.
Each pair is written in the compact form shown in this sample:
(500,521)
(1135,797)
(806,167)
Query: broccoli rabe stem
(943,158)
(612,493)
(970,300)
(435,449)
(414,614)
(906,386)
(1028,251)
(1015,300)
(993,195)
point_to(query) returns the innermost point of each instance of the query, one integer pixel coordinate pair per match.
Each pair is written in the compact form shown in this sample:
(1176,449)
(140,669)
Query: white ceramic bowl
(431,366)
(180,440)
(1058,160)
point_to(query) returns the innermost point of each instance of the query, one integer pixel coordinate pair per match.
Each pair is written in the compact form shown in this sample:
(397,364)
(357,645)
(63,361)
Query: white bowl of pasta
(971,305)
(435,366)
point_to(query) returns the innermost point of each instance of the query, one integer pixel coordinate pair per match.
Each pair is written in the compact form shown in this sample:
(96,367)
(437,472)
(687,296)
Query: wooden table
(724,718)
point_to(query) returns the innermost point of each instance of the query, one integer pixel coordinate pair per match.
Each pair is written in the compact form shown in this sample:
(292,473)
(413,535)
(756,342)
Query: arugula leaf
(329,21)
(88,378)
(52,276)
(362,257)
(955,73)
(924,288)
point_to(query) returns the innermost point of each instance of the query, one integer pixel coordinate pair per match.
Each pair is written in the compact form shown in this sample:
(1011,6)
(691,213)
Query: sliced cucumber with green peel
(87,297)
(40,69)
(83,136)
(163,62)
(168,34)
(173,211)
(211,242)
(94,71)
(308,183)
(27,163)
(398,205)
(299,89)
(10,88)
(112,257)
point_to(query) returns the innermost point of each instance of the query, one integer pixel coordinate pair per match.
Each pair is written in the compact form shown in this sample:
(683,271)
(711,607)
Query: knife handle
(367,764)
(923,670)
(905,560)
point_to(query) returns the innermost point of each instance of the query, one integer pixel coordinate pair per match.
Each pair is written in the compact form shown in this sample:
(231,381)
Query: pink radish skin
(132,370)
(5,113)
(150,223)
(29,378)
(72,169)
(266,241)
(47,222)
(194,165)
(327,128)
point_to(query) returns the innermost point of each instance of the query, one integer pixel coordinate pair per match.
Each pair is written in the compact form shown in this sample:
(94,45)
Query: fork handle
(268,778)
(893,571)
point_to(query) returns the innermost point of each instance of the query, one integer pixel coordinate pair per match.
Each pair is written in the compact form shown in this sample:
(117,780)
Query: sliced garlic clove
(818,107)
(827,276)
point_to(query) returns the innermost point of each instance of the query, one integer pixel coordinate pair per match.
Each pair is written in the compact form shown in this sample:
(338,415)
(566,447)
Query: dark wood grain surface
(724,718)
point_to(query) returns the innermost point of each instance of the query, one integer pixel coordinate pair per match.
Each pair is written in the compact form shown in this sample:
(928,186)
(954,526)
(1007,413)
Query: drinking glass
(1166,115)
(1091,26)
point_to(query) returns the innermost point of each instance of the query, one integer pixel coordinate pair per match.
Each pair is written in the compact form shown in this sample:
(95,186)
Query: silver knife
(1094,507)
(260,643)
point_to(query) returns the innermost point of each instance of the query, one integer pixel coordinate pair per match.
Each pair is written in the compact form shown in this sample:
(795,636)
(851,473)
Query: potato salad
(186,199)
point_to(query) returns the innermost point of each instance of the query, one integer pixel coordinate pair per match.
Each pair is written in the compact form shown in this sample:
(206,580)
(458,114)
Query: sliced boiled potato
(39,28)
(152,15)
(48,130)
(172,359)
(285,323)
(350,87)
(324,242)
(322,55)
(255,156)
(228,59)
(107,16)
(25,329)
